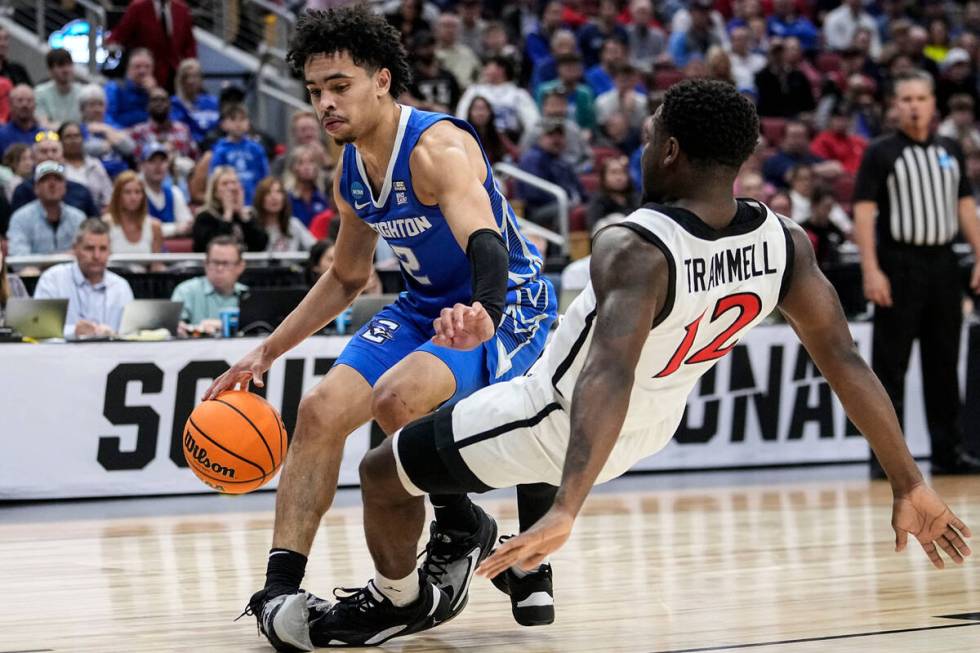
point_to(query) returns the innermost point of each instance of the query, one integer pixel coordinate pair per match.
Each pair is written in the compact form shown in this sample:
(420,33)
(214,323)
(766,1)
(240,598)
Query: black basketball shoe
(451,557)
(532,597)
(283,618)
(366,617)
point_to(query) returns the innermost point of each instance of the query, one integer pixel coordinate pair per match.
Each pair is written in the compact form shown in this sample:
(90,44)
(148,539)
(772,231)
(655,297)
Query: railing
(123,259)
(44,17)
(510,170)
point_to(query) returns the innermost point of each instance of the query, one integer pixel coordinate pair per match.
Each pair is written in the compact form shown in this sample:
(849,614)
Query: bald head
(22,105)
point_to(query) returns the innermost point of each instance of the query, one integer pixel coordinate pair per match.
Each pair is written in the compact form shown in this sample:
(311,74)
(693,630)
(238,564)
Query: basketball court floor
(792,560)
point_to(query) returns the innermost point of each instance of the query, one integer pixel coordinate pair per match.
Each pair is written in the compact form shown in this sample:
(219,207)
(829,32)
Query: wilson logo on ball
(199,454)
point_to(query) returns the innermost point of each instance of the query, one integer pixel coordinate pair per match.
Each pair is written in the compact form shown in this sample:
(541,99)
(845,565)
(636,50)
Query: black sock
(285,570)
(455,512)
(533,501)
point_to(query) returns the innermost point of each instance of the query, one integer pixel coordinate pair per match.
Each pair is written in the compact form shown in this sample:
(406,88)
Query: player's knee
(390,408)
(314,416)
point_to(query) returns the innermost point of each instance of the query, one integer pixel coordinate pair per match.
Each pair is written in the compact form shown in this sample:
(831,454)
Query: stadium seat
(590,182)
(178,245)
(828,62)
(576,219)
(844,188)
(664,79)
(600,154)
(773,129)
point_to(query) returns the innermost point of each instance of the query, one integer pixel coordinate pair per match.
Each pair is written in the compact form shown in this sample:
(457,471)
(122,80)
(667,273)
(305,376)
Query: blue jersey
(435,268)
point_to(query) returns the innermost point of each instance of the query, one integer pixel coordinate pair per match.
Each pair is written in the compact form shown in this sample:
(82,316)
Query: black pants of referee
(926,305)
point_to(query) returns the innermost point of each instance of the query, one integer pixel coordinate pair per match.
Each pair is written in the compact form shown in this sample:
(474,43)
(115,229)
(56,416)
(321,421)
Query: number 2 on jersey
(410,264)
(748,306)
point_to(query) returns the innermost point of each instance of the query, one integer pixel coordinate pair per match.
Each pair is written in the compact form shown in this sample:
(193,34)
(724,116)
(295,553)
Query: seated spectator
(10,285)
(937,47)
(841,25)
(494,42)
(623,98)
(618,134)
(514,108)
(272,210)
(957,78)
(825,236)
(785,23)
(407,17)
(96,296)
(578,96)
(83,168)
(782,89)
(496,145)
(750,184)
(128,99)
(164,201)
(46,225)
(191,104)
(546,69)
(647,42)
(224,214)
(18,163)
(537,39)
(600,76)
(718,65)
(161,129)
(23,126)
(616,193)
(303,185)
(836,144)
(110,145)
(57,98)
(544,160)
(802,189)
(131,229)
(239,151)
(603,29)
(692,43)
(972,154)
(12,70)
(793,151)
(304,129)
(455,56)
(319,260)
(48,148)
(433,88)
(781,203)
(576,151)
(745,61)
(205,297)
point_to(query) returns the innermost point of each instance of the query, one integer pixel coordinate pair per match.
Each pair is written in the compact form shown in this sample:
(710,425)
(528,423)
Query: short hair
(233,110)
(367,37)
(11,156)
(713,123)
(820,193)
(505,62)
(961,102)
(224,240)
(58,57)
(90,92)
(915,75)
(94,226)
(135,52)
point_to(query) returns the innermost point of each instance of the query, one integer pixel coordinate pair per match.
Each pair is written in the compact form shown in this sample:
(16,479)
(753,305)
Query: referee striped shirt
(917,186)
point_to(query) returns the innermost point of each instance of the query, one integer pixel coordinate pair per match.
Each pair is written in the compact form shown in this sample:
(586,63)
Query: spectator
(57,98)
(205,297)
(780,203)
(913,46)
(319,261)
(617,133)
(692,44)
(494,43)
(5,88)
(164,201)
(602,29)
(239,151)
(161,129)
(578,97)
(472,26)
(82,168)
(537,42)
(46,225)
(647,41)
(957,78)
(131,229)
(793,151)
(456,57)
(802,187)
(680,20)
(546,68)
(616,193)
(48,147)
(224,214)
(10,285)
(514,108)
(959,124)
(825,236)
(972,154)
(750,183)
(576,151)
(433,88)
(191,104)
(937,47)
(783,90)
(110,145)
(303,183)
(544,160)
(12,70)
(304,129)
(496,145)
(745,62)
(718,65)
(128,99)
(600,76)
(163,29)
(836,144)
(272,210)
(623,98)
(785,23)
(18,163)
(96,296)
(408,20)
(841,25)
(23,125)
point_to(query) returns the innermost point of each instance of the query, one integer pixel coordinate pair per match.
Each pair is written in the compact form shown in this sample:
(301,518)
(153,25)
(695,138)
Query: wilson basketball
(235,443)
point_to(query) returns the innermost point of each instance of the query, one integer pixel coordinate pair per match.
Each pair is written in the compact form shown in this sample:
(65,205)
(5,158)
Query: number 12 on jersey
(748,306)
(410,264)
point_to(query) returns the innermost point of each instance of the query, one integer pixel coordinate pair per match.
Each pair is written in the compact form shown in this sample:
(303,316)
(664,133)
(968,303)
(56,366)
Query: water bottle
(342,322)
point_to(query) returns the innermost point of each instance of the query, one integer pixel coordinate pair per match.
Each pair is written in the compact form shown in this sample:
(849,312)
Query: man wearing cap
(544,160)
(842,24)
(48,148)
(46,225)
(693,43)
(164,201)
(957,78)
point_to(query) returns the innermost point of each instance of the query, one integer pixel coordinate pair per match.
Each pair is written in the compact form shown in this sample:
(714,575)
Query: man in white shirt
(455,57)
(623,98)
(514,108)
(745,62)
(164,202)
(96,297)
(841,24)
(57,98)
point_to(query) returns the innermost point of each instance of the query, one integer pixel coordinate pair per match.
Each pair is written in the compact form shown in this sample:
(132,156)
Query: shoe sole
(292,615)
(400,633)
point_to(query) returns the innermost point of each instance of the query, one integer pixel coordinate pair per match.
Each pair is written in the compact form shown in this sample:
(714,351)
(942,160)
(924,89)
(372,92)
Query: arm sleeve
(869,177)
(488,265)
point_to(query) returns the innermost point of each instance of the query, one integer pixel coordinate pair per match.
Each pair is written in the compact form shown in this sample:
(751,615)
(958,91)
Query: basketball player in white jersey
(673,289)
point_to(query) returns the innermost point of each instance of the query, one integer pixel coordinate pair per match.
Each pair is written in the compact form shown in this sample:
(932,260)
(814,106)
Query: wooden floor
(782,567)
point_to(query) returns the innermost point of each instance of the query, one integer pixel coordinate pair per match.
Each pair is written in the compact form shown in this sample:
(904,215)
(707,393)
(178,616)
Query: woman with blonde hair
(274,212)
(224,214)
(190,104)
(131,229)
(303,183)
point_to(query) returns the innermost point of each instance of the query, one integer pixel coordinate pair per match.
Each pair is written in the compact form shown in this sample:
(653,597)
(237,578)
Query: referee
(911,199)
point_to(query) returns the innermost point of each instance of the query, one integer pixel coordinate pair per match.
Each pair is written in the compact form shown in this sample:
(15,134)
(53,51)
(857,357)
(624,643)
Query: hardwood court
(801,566)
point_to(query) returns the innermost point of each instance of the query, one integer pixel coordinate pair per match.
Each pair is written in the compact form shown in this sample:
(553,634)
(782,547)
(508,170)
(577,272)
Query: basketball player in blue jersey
(476,311)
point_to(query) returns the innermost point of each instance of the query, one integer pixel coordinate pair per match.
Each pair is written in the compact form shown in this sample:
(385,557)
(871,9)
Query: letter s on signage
(146,420)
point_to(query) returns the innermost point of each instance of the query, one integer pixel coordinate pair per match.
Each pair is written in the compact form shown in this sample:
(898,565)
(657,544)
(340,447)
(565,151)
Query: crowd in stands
(560,89)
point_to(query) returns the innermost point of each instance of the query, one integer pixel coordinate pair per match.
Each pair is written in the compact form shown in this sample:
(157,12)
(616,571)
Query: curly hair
(713,123)
(367,37)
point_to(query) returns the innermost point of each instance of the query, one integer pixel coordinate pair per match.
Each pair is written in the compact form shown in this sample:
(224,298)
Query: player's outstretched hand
(528,549)
(462,327)
(251,367)
(926,516)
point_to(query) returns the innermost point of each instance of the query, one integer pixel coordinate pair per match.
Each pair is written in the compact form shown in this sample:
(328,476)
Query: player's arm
(334,291)
(630,277)
(813,310)
(448,169)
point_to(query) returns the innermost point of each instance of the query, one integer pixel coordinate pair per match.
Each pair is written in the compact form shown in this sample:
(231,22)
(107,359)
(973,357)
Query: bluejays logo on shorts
(380,331)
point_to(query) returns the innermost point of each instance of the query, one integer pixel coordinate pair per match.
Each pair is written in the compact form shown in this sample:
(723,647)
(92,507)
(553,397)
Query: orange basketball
(235,443)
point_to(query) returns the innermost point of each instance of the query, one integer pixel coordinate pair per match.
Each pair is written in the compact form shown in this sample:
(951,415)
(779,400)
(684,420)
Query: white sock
(521,573)
(401,591)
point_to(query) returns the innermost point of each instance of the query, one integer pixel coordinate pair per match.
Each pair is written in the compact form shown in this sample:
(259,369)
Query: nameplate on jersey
(727,266)
(402,227)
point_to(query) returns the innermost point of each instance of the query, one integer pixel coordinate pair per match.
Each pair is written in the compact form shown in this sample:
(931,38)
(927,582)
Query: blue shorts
(398,330)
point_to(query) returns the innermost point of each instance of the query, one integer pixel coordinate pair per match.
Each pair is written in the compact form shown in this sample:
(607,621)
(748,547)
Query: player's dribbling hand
(462,327)
(924,514)
(251,367)
(531,547)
